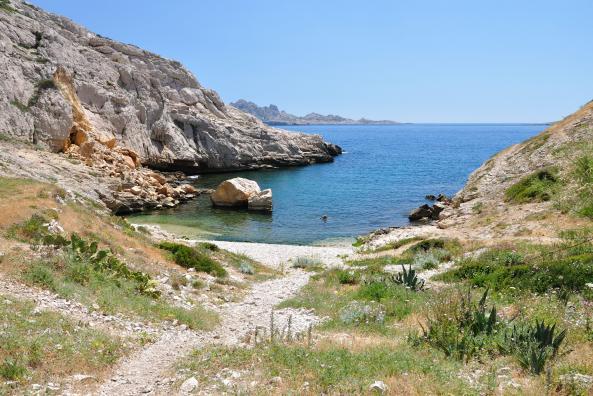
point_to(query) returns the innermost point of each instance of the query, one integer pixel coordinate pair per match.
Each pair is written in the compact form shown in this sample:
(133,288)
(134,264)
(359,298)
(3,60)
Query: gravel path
(149,370)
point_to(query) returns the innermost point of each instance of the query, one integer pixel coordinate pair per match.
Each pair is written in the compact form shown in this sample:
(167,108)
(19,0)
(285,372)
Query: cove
(385,171)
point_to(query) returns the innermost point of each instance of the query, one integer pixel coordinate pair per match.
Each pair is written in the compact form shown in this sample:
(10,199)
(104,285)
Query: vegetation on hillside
(40,346)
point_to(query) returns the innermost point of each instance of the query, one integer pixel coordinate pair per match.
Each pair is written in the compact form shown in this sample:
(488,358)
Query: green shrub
(34,229)
(209,246)
(6,7)
(427,260)
(358,313)
(502,269)
(12,370)
(189,257)
(537,187)
(426,245)
(463,327)
(533,345)
(41,275)
(307,263)
(347,277)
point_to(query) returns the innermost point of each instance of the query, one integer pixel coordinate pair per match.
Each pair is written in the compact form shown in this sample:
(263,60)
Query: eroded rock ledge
(59,83)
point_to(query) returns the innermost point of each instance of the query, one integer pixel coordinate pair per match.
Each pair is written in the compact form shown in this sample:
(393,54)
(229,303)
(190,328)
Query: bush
(426,245)
(307,263)
(537,187)
(461,328)
(358,313)
(12,370)
(209,246)
(502,269)
(41,275)
(189,257)
(34,229)
(347,277)
(246,268)
(426,260)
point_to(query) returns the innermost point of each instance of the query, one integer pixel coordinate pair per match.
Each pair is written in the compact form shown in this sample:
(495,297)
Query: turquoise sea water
(385,171)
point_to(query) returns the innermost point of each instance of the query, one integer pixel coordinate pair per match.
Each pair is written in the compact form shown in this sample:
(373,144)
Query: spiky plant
(409,279)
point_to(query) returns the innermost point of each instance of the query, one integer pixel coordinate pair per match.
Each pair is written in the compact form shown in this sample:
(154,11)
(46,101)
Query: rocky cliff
(271,115)
(61,85)
(533,189)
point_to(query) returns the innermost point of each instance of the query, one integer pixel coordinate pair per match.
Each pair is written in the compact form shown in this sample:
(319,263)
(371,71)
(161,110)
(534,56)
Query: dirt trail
(149,370)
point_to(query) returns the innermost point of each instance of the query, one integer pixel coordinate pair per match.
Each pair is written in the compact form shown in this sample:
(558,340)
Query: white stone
(189,385)
(378,386)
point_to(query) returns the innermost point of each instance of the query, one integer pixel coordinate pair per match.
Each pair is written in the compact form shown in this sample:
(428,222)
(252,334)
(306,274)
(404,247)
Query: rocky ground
(139,373)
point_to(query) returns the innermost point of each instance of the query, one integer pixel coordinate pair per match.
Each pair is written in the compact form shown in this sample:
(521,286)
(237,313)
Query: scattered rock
(188,386)
(378,386)
(579,382)
(54,227)
(427,212)
(276,380)
(421,212)
(443,198)
(430,197)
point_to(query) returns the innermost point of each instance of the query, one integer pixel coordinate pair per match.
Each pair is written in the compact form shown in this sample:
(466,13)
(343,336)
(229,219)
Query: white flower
(589,285)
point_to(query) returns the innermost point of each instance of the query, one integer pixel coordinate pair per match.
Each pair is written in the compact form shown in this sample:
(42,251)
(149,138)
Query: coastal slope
(271,115)
(61,85)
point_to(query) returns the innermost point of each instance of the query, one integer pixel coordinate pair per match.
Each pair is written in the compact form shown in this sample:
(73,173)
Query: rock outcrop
(61,84)
(426,212)
(271,115)
(242,193)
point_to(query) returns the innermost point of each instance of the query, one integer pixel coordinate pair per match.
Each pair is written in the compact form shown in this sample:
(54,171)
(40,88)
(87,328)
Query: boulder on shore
(261,201)
(420,213)
(242,193)
(426,212)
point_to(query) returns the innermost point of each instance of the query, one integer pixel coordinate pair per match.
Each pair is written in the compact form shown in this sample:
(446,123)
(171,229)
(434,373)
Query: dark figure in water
(324,218)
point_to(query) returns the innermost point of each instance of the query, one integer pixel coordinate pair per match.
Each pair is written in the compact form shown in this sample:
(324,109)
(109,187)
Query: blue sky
(413,61)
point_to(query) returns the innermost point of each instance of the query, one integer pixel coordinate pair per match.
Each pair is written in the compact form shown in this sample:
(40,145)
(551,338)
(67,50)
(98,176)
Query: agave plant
(409,279)
(477,317)
(533,345)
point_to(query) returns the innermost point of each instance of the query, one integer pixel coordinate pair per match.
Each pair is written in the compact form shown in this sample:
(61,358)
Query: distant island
(271,115)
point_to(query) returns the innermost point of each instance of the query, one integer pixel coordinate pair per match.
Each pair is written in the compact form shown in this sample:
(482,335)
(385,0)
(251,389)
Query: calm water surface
(385,172)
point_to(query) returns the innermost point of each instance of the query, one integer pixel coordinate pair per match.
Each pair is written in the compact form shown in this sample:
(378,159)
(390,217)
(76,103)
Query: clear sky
(413,61)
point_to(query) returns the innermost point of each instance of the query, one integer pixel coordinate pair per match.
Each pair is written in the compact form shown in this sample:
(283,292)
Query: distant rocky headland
(271,115)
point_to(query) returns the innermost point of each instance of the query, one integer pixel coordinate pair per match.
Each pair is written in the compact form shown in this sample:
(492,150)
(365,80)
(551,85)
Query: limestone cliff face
(59,82)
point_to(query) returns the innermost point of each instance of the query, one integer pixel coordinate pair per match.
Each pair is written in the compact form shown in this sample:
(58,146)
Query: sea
(384,173)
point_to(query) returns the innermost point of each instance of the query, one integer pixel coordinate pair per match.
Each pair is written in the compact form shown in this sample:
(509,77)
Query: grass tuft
(537,187)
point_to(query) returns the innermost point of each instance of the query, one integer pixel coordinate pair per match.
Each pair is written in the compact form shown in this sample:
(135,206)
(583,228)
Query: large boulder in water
(261,201)
(234,192)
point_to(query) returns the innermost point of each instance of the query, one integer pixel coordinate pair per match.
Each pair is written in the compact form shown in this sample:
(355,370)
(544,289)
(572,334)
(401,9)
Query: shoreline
(274,255)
